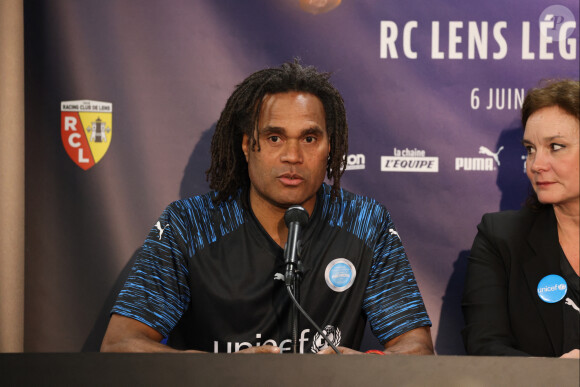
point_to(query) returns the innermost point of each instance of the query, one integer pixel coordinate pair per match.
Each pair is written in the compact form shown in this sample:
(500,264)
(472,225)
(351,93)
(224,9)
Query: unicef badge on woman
(552,288)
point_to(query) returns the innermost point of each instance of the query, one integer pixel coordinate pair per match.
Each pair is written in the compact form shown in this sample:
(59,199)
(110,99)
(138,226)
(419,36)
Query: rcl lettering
(74,140)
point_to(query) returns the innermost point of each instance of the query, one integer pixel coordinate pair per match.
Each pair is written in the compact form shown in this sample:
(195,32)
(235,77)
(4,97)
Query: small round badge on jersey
(552,288)
(340,274)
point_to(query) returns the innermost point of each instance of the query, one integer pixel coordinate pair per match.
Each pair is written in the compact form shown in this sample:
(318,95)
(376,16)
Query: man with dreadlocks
(209,275)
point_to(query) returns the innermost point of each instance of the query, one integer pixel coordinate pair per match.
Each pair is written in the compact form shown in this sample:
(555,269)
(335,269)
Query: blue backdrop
(432,91)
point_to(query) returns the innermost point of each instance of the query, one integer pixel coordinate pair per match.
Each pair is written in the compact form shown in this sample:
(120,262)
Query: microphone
(295,218)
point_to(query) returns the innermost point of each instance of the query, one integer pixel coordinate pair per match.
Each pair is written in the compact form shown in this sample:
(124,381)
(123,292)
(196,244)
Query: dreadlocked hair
(228,171)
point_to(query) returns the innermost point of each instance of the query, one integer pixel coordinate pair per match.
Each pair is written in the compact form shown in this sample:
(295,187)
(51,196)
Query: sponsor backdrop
(122,98)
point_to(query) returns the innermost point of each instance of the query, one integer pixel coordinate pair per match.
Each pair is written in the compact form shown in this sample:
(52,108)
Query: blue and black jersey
(210,278)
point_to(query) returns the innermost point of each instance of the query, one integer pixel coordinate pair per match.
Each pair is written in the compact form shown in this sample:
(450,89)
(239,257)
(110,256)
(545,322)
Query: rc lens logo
(86,129)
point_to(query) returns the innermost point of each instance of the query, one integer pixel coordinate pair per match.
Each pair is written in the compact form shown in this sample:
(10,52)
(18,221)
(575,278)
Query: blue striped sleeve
(156,292)
(392,302)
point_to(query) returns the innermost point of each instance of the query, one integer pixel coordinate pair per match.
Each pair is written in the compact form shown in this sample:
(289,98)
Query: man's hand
(415,342)
(573,354)
(260,349)
(127,335)
(342,350)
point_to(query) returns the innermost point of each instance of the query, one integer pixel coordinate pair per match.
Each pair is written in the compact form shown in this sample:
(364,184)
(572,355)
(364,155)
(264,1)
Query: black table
(102,369)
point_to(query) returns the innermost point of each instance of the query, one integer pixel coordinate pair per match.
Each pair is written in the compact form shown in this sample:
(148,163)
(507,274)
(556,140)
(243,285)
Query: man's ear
(246,146)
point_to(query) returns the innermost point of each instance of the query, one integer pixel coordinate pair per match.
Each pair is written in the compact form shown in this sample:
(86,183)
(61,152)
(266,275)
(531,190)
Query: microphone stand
(296,217)
(296,292)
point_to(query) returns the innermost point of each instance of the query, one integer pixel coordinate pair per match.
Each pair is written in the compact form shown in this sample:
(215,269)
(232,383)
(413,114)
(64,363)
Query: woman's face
(551,138)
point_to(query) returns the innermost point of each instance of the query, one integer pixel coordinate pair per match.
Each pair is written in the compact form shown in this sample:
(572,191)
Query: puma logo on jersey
(393,232)
(572,304)
(158,226)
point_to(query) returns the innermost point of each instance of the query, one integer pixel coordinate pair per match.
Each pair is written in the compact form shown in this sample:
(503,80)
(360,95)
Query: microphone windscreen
(296,214)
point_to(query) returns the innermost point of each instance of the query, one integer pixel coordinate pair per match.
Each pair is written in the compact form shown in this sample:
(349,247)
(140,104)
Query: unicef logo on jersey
(340,274)
(333,334)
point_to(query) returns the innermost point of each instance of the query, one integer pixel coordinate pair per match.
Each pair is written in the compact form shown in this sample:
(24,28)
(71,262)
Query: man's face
(290,165)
